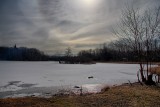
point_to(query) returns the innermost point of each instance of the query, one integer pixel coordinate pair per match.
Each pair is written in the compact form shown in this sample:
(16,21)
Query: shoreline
(155,63)
(117,96)
(48,92)
(118,62)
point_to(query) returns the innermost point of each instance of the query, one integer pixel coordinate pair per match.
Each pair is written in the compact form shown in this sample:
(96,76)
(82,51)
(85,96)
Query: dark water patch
(13,82)
(44,77)
(26,85)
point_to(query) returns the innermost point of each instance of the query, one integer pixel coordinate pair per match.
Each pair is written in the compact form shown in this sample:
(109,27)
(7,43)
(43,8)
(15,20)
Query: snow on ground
(15,77)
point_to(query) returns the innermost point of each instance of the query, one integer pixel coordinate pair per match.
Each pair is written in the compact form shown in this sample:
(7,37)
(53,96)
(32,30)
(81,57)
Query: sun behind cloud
(89,3)
(86,4)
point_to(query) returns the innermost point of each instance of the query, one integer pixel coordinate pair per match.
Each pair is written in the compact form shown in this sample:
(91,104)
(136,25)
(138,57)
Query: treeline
(116,51)
(113,53)
(22,54)
(107,53)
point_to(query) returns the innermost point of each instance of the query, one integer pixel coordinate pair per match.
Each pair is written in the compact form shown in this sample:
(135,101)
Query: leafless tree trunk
(138,31)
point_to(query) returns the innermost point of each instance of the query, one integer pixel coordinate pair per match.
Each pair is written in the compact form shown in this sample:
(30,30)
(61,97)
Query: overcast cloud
(53,25)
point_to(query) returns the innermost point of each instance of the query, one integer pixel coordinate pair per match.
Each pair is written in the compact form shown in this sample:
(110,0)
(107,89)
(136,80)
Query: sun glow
(89,2)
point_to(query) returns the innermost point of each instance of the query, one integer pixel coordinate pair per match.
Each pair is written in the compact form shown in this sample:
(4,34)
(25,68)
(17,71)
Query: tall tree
(137,32)
(68,52)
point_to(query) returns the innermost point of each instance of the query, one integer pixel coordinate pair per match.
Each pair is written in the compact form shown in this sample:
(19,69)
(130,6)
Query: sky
(54,25)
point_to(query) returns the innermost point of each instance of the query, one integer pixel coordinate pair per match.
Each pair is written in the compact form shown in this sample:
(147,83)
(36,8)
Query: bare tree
(68,52)
(137,32)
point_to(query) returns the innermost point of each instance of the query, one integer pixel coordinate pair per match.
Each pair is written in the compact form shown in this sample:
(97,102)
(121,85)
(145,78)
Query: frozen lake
(25,75)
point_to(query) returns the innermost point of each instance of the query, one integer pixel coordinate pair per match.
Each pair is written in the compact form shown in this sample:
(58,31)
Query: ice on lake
(16,76)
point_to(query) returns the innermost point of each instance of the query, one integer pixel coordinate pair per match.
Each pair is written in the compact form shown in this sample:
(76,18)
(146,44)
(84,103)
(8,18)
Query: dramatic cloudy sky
(54,25)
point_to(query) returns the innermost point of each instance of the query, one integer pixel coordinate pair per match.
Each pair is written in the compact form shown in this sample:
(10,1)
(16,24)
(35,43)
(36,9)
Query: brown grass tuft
(155,70)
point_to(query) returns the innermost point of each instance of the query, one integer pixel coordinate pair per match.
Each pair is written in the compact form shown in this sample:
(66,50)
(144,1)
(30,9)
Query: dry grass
(120,96)
(155,70)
